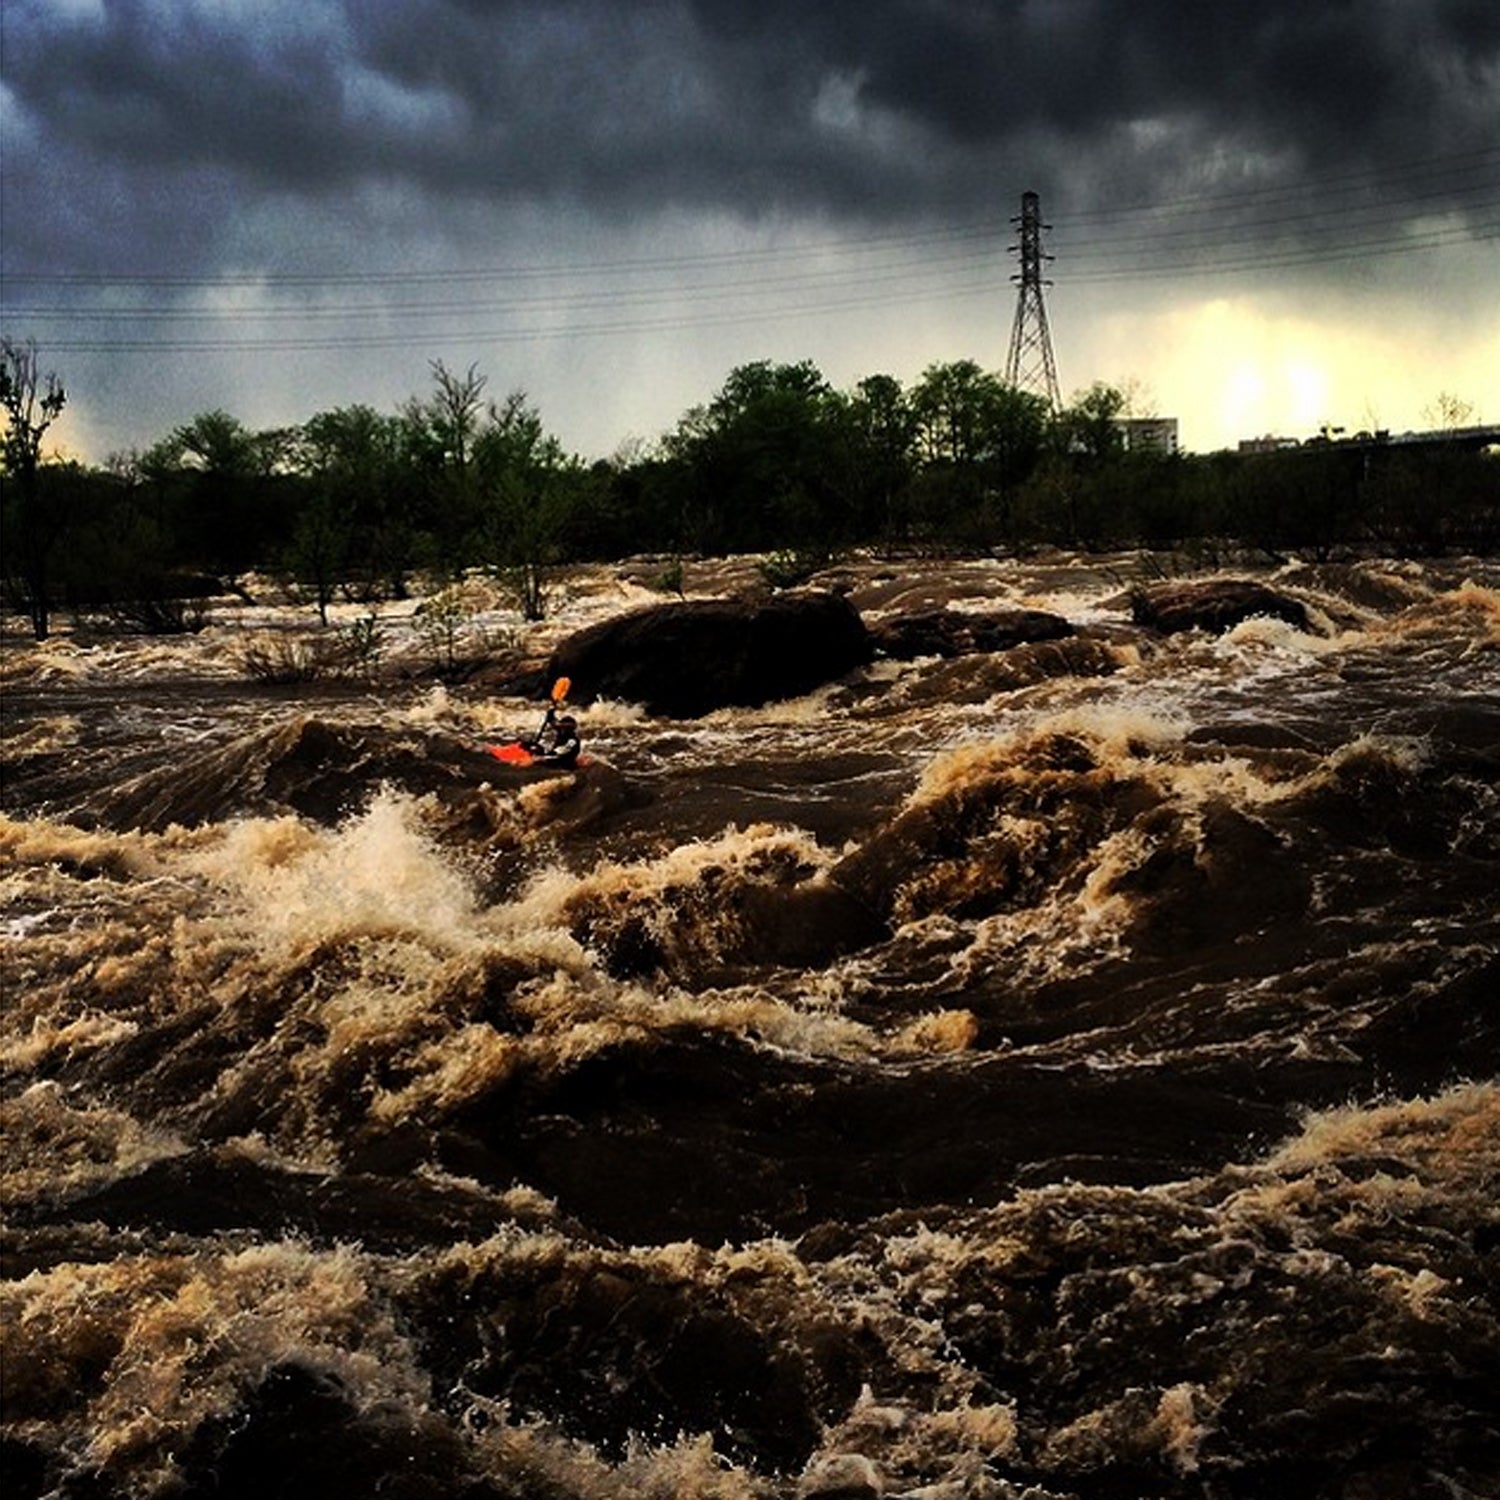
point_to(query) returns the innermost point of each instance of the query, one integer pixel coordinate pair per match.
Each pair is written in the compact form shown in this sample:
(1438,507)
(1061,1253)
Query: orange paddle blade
(560,688)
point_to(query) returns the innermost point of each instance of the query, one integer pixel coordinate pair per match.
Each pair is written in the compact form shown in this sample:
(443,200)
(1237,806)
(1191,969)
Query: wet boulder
(953,632)
(1214,605)
(682,661)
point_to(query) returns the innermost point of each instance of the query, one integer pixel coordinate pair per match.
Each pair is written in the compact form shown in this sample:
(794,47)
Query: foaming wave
(687,896)
(1272,634)
(377,873)
(34,844)
(1317,1312)
(1095,835)
(54,660)
(1010,825)
(698,926)
(42,737)
(607,713)
(1453,1133)
(1404,754)
(1114,731)
(158,1350)
(692,913)
(54,1148)
(1469,613)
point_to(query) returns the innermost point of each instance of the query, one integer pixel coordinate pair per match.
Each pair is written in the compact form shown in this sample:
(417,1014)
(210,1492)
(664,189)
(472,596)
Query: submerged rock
(953,632)
(1216,605)
(976,678)
(682,661)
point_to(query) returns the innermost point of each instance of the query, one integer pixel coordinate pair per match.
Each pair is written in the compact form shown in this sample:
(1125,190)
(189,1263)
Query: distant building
(1268,444)
(1148,434)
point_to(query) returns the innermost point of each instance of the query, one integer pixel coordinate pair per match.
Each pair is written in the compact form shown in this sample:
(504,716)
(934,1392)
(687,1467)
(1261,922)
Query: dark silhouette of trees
(227,491)
(32,402)
(527,488)
(353,529)
(881,435)
(1087,429)
(979,439)
(759,465)
(777,462)
(441,431)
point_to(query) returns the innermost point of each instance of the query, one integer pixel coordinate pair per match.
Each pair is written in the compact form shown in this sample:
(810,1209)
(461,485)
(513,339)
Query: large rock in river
(684,660)
(1215,604)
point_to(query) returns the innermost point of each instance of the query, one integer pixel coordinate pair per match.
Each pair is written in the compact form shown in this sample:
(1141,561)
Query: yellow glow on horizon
(1242,402)
(1306,385)
(1250,374)
(1229,369)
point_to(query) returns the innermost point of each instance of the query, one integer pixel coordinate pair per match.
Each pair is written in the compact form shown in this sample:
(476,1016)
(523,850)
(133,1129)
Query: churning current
(1060,1070)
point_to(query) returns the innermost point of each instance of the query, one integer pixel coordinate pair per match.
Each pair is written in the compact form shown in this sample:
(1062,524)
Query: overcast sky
(1265,216)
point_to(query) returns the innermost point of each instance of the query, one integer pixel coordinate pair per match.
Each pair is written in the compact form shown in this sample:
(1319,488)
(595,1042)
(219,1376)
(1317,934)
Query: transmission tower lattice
(1031,366)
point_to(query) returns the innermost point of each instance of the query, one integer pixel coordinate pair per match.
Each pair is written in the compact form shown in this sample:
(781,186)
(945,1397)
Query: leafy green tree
(1018,438)
(32,402)
(1089,429)
(124,560)
(979,439)
(229,496)
(882,437)
(215,442)
(955,405)
(761,462)
(318,550)
(1422,501)
(635,501)
(1306,499)
(527,487)
(440,433)
(353,521)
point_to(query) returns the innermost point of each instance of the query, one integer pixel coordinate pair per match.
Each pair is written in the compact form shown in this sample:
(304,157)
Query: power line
(682,292)
(1231,207)
(677,322)
(962,278)
(1089,259)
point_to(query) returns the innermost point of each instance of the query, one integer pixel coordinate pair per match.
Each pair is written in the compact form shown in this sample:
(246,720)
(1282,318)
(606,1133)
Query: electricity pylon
(1031,366)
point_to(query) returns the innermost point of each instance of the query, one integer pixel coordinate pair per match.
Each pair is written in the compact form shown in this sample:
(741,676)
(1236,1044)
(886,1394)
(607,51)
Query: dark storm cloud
(882,109)
(1341,83)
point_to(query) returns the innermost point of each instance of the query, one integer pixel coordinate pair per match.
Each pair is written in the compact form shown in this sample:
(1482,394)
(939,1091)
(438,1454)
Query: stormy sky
(1264,216)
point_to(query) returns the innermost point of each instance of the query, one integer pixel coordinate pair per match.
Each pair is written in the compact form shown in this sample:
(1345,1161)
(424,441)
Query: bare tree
(32,403)
(1450,412)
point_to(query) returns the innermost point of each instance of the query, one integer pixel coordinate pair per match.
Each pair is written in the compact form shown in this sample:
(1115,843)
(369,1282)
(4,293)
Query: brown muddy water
(1063,1072)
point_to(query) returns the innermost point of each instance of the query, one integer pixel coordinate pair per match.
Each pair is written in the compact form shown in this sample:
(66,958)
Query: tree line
(355,503)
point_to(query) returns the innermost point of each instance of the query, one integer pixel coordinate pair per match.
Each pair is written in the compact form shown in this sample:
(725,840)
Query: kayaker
(564,747)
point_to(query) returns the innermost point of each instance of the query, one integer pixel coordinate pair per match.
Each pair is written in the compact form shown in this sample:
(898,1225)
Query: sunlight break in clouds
(1231,369)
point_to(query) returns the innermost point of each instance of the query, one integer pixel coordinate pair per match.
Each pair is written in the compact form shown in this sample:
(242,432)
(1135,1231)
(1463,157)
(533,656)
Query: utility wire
(1089,259)
(680,292)
(1236,210)
(571,328)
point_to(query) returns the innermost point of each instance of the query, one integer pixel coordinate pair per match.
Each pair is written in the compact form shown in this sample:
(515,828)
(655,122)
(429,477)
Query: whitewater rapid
(1067,1071)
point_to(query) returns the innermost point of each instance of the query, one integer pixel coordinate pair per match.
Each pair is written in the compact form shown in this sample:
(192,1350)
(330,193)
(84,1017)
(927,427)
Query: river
(1062,1072)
